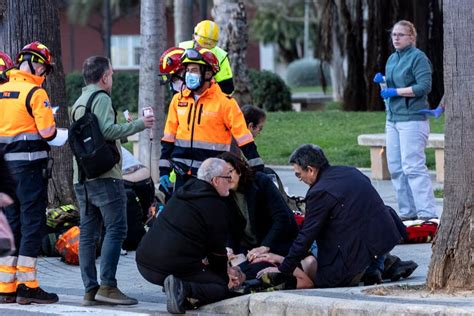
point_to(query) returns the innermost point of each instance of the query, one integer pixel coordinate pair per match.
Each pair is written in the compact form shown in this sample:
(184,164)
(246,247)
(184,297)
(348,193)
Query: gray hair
(309,155)
(94,68)
(211,168)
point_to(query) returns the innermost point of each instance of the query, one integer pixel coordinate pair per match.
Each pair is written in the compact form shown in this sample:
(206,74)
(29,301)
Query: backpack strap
(91,98)
(28,100)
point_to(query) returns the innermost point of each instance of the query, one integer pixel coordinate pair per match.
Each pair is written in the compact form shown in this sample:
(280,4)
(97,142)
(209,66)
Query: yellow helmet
(206,34)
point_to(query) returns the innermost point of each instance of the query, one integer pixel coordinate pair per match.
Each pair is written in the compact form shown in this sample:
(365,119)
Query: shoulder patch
(182,104)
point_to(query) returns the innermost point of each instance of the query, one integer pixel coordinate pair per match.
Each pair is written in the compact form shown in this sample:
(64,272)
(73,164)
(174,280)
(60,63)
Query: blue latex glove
(166,183)
(388,93)
(436,113)
(160,209)
(378,78)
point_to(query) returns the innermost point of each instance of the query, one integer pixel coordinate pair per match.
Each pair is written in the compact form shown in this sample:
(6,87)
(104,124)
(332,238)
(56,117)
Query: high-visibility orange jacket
(26,118)
(199,129)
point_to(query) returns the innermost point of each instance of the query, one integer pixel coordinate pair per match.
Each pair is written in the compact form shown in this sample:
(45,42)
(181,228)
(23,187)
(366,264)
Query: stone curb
(306,303)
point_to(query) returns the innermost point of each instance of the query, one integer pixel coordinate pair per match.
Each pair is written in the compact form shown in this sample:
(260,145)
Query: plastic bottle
(383,85)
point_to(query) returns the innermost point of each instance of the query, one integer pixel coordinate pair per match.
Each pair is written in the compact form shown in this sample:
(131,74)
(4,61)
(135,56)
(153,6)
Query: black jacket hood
(195,188)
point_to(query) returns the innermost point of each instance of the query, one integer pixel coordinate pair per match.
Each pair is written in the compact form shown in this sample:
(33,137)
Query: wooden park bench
(378,155)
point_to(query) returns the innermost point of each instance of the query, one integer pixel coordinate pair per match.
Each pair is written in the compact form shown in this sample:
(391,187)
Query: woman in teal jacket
(408,78)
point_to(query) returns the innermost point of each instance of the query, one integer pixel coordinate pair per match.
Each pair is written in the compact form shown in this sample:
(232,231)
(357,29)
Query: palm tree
(153,41)
(231,17)
(451,264)
(16,32)
(183,20)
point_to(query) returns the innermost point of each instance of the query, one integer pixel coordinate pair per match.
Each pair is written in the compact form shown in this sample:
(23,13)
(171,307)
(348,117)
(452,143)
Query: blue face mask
(193,81)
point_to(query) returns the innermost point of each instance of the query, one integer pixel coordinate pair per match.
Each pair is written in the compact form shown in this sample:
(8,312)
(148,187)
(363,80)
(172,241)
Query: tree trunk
(379,46)
(106,27)
(338,77)
(330,46)
(153,41)
(231,17)
(452,262)
(183,21)
(42,25)
(354,90)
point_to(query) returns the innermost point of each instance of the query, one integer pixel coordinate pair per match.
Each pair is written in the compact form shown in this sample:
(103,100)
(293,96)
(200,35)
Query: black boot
(176,294)
(373,277)
(27,295)
(399,269)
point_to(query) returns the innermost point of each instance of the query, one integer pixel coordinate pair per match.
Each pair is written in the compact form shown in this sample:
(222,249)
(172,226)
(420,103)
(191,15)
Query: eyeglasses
(229,178)
(400,35)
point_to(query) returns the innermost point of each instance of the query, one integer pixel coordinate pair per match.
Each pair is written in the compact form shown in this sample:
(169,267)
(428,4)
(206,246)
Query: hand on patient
(268,257)
(255,252)
(267,270)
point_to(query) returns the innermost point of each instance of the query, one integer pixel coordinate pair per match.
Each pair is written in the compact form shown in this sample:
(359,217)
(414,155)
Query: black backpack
(295,203)
(93,153)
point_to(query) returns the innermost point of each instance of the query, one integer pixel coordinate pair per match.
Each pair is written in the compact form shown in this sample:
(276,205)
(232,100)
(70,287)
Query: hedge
(268,90)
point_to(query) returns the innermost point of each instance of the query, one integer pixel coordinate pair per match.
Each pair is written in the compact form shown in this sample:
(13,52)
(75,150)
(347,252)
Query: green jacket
(102,108)
(408,67)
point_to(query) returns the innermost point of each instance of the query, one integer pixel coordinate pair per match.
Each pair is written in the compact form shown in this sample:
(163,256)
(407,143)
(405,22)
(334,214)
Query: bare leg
(304,278)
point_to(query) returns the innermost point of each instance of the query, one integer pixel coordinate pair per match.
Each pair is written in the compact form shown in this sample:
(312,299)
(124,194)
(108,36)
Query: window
(125,50)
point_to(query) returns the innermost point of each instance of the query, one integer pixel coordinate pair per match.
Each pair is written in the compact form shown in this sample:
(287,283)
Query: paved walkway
(66,281)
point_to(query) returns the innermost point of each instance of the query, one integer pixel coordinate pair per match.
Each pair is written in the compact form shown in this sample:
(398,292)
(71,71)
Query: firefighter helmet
(170,61)
(202,56)
(6,64)
(38,53)
(206,34)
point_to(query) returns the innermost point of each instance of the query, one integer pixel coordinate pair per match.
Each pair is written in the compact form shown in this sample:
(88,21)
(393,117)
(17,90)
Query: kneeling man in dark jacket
(193,226)
(347,218)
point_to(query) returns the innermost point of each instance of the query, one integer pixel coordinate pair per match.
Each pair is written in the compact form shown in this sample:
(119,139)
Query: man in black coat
(345,215)
(192,227)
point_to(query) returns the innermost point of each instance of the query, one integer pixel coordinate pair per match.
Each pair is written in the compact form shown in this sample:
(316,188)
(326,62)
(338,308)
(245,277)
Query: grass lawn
(335,131)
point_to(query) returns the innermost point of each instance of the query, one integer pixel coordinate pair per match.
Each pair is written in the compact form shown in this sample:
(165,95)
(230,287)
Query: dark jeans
(27,216)
(106,200)
(206,286)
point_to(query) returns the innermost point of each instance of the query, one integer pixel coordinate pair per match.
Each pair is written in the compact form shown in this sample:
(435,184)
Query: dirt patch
(412,291)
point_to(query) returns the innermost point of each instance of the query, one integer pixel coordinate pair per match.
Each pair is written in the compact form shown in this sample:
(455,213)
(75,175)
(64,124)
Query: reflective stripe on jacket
(197,130)
(25,130)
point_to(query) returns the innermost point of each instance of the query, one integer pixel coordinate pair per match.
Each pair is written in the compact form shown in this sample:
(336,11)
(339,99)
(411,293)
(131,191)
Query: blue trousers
(406,143)
(106,200)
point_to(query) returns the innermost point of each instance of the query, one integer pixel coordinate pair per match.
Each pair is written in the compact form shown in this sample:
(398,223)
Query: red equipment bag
(421,232)
(299,218)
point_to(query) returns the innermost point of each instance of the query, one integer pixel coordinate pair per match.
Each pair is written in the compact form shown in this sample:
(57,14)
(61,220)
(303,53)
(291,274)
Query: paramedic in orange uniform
(26,124)
(201,121)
